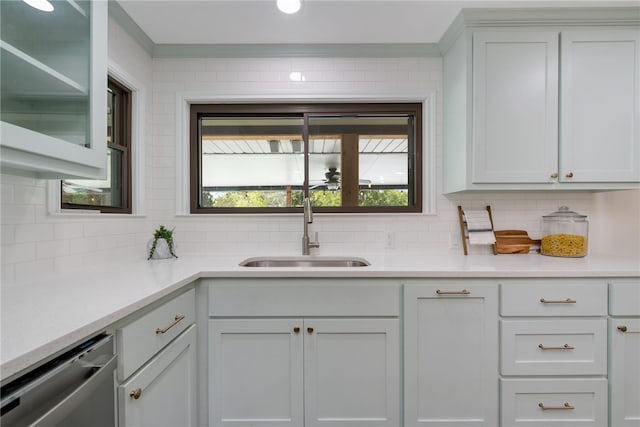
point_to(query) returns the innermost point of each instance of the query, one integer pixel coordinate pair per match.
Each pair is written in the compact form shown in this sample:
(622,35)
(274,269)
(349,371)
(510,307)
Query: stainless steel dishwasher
(74,389)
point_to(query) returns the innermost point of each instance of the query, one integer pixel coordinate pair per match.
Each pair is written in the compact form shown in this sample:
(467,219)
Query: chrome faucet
(308,219)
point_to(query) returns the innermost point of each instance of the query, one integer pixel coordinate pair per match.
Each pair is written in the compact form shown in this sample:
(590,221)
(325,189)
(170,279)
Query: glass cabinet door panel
(46,68)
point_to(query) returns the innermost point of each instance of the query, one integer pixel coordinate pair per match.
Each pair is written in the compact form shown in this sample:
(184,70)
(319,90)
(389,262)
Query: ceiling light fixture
(289,6)
(43,5)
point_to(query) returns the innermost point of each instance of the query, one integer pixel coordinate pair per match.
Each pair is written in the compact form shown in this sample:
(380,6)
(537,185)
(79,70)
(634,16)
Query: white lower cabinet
(553,341)
(451,353)
(311,372)
(312,353)
(163,392)
(624,356)
(553,402)
(156,371)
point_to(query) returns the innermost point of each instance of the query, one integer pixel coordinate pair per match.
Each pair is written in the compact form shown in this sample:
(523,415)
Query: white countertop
(44,317)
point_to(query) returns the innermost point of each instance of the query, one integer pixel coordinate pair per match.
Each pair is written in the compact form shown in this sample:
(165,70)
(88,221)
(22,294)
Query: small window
(113,194)
(266,158)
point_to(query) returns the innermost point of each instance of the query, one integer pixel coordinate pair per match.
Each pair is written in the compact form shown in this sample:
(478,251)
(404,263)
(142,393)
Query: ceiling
(318,22)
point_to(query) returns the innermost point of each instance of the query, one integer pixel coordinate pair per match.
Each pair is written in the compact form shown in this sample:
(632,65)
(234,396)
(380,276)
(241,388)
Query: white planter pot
(162,249)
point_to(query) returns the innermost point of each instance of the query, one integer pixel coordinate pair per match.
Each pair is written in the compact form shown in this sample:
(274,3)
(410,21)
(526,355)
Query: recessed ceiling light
(43,5)
(289,6)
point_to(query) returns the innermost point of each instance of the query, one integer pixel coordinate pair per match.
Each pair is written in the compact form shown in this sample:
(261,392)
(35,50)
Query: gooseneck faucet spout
(307,244)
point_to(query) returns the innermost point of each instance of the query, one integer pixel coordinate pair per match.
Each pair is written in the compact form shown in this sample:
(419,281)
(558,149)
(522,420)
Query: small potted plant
(161,246)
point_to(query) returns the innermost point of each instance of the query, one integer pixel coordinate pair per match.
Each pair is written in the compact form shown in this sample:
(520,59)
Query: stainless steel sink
(304,261)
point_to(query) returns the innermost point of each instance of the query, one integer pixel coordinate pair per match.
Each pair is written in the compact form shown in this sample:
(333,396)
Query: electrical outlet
(389,240)
(454,240)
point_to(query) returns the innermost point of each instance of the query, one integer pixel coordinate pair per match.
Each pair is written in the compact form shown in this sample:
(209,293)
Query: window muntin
(113,194)
(346,157)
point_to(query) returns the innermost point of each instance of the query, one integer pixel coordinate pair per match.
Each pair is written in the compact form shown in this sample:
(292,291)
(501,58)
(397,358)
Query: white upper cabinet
(515,106)
(536,106)
(54,80)
(600,115)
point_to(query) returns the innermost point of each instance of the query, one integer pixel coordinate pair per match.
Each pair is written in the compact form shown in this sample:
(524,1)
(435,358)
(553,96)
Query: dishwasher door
(75,389)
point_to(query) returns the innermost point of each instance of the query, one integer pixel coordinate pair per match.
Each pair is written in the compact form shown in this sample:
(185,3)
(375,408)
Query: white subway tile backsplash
(34,243)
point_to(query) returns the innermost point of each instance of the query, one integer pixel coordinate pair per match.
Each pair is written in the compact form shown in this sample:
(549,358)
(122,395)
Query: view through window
(267,158)
(113,194)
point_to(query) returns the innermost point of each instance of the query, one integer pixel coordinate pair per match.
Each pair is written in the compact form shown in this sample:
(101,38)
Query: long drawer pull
(564,347)
(563,301)
(462,292)
(176,320)
(566,405)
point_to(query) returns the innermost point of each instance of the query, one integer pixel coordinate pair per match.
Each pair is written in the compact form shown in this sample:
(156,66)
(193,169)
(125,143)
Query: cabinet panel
(302,298)
(566,297)
(54,75)
(451,354)
(554,347)
(515,106)
(256,372)
(142,338)
(163,393)
(600,111)
(352,372)
(624,372)
(624,297)
(554,402)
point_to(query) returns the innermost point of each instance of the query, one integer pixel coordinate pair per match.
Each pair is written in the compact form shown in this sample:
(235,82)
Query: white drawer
(138,341)
(624,297)
(566,297)
(554,402)
(553,347)
(304,297)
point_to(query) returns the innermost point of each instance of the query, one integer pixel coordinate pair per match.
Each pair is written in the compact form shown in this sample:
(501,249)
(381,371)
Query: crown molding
(382,50)
(542,17)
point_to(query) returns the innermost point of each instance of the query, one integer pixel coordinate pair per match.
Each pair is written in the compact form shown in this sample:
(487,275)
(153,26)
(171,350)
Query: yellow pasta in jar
(565,245)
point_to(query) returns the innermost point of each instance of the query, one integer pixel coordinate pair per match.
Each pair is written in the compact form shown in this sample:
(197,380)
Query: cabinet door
(624,372)
(54,89)
(451,354)
(352,372)
(600,110)
(515,107)
(255,372)
(163,392)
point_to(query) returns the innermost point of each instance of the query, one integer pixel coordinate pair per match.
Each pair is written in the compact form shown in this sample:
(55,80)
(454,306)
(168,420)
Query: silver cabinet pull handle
(563,301)
(462,292)
(564,347)
(176,320)
(566,405)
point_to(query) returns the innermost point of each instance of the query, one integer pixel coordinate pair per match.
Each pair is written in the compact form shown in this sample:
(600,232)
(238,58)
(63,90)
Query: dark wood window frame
(198,111)
(120,142)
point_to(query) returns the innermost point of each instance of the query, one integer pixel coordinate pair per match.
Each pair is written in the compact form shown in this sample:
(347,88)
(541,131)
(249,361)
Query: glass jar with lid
(564,234)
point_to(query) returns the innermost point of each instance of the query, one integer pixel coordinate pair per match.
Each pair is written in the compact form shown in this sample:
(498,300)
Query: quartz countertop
(43,317)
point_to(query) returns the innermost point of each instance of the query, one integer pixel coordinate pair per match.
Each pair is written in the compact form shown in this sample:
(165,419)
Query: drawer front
(163,393)
(624,297)
(553,347)
(554,402)
(542,298)
(304,297)
(138,341)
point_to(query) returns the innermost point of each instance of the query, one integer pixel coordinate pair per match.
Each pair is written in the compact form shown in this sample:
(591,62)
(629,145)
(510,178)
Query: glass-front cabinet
(53,78)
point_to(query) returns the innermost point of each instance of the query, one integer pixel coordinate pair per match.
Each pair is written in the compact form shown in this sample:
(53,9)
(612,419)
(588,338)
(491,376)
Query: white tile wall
(35,244)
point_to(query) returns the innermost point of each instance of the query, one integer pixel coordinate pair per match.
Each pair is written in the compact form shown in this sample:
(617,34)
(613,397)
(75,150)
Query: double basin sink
(305,261)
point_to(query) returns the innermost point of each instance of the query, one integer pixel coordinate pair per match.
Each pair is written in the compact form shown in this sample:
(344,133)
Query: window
(250,158)
(113,194)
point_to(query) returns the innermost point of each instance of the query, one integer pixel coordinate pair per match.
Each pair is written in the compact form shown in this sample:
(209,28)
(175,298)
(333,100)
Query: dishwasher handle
(60,411)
